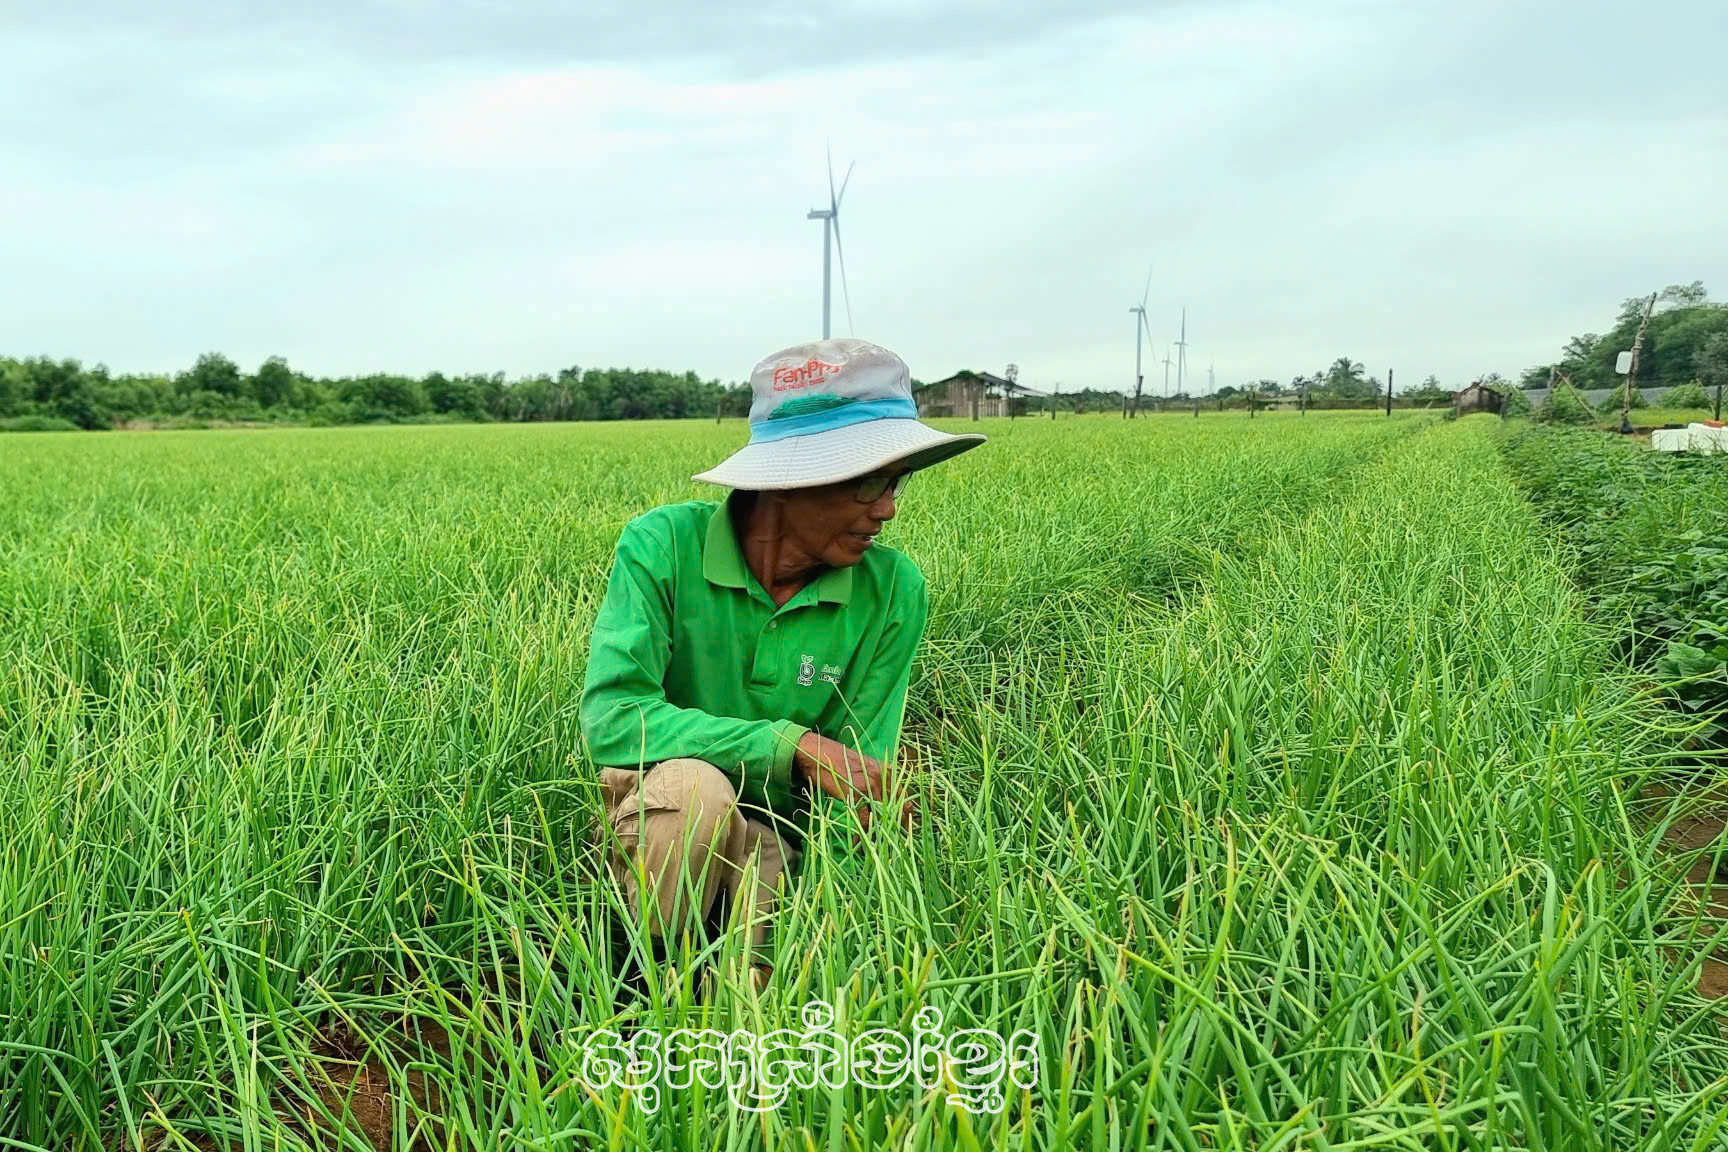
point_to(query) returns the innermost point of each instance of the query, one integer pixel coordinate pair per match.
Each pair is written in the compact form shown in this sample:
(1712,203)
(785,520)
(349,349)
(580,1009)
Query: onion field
(1274,774)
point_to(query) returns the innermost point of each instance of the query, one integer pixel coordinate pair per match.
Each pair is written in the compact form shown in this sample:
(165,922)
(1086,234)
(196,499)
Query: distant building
(1478,398)
(955,396)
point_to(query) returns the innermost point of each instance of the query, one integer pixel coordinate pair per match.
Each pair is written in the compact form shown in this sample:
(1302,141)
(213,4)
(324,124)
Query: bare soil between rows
(353,1084)
(1699,833)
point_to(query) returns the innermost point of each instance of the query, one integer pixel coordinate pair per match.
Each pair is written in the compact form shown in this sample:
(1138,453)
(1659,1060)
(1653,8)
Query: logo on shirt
(831,673)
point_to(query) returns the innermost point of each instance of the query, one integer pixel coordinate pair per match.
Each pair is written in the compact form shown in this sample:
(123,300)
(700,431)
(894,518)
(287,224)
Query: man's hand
(841,772)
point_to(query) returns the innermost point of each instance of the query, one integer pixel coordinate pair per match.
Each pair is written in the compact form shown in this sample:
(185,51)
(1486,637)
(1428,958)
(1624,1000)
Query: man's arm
(626,718)
(876,705)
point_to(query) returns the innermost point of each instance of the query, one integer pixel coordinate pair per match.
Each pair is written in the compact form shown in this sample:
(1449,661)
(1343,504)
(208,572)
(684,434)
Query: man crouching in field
(751,650)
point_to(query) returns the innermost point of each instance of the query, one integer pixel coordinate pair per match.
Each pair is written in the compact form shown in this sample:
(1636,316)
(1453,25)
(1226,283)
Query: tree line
(44,392)
(1686,342)
(1345,383)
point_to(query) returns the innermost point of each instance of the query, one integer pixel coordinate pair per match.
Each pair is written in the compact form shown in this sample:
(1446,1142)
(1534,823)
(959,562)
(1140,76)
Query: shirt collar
(723,563)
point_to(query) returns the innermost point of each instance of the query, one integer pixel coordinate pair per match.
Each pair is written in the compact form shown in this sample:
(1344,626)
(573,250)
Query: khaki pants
(679,832)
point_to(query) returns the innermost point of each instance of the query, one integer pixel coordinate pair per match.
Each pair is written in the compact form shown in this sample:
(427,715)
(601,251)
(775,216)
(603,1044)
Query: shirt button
(773,624)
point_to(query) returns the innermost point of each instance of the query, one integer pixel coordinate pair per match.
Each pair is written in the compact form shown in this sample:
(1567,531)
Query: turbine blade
(845,292)
(833,201)
(843,183)
(1144,296)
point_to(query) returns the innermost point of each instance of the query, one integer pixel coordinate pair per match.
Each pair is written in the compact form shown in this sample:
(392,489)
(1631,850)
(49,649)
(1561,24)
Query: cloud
(1449,189)
(758,39)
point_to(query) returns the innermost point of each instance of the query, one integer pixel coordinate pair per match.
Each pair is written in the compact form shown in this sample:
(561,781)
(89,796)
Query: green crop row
(1272,775)
(1649,531)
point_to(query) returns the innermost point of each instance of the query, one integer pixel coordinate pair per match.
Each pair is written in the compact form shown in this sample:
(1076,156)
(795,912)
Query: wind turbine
(1167,373)
(830,217)
(1139,329)
(1181,352)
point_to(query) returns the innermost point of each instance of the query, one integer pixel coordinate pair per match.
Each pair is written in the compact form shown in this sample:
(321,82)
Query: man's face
(832,524)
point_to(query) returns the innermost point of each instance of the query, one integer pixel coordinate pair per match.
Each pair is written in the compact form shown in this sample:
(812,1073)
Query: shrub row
(1650,534)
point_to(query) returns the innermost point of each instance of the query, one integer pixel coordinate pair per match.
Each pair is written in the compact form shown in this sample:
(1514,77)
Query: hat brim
(835,455)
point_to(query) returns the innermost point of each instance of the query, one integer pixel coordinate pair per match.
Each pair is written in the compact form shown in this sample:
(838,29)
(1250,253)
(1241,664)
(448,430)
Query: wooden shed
(978,394)
(1478,398)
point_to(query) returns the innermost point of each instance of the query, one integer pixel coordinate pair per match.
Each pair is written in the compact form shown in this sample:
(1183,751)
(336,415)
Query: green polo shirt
(690,657)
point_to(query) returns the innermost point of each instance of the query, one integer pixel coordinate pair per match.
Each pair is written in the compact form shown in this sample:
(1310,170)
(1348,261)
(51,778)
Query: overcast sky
(361,185)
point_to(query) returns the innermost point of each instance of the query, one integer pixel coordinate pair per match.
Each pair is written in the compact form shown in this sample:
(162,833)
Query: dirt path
(1699,831)
(354,1085)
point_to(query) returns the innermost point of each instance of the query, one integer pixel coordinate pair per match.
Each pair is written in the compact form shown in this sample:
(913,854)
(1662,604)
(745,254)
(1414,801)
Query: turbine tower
(830,217)
(1182,349)
(1140,329)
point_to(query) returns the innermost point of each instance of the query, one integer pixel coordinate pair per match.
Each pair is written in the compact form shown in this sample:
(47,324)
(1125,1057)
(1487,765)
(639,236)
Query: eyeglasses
(871,488)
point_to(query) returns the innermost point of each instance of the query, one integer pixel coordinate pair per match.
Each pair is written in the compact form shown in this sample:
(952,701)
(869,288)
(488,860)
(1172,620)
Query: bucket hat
(832,410)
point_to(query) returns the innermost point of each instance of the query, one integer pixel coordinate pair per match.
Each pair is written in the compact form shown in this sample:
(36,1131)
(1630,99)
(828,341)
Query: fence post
(1632,369)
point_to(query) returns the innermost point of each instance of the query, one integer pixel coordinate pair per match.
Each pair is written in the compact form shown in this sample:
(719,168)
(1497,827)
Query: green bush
(37,424)
(1564,407)
(332,413)
(1688,395)
(1518,403)
(1611,404)
(1646,529)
